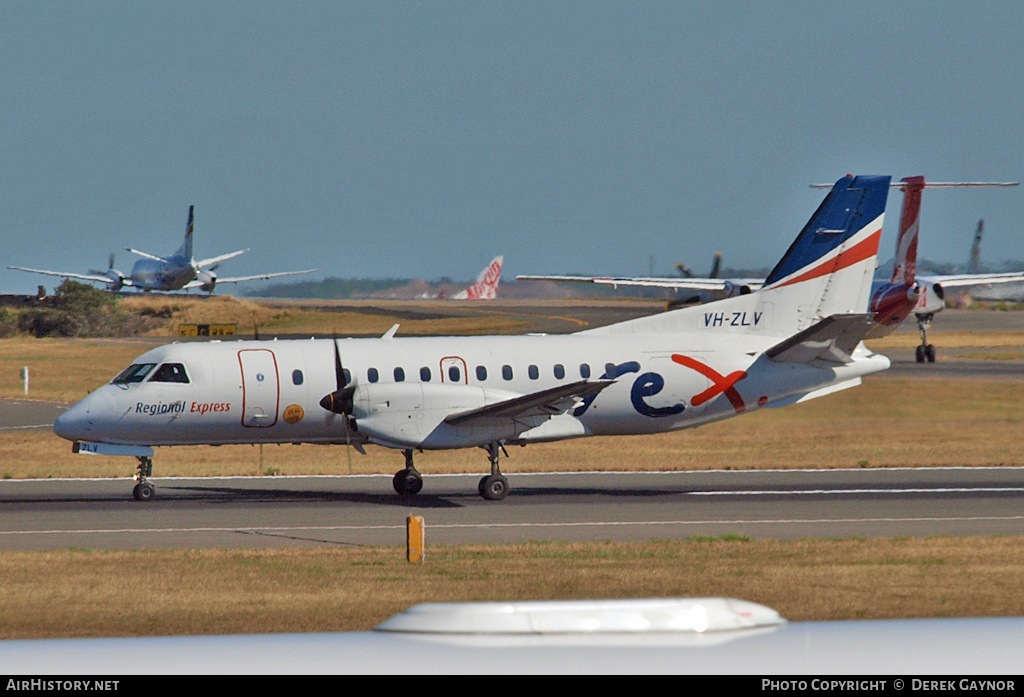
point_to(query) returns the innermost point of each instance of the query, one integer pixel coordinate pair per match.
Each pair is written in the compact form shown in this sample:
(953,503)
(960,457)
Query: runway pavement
(363,510)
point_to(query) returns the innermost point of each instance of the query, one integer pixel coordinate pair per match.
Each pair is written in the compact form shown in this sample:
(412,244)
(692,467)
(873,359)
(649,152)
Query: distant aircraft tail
(976,248)
(904,268)
(185,250)
(486,285)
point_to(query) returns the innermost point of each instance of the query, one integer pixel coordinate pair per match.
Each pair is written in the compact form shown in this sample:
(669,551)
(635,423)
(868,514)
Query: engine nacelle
(411,415)
(208,281)
(932,298)
(116,279)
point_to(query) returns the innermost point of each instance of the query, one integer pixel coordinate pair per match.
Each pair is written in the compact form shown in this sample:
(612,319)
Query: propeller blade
(340,401)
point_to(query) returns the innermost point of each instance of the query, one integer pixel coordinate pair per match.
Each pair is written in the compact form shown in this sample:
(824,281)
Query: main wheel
(919,354)
(929,353)
(494,487)
(144,491)
(407,483)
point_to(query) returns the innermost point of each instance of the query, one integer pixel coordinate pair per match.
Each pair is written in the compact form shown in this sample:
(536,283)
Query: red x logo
(722,384)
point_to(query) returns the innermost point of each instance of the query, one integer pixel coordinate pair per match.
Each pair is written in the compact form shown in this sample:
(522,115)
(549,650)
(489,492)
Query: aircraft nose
(73,424)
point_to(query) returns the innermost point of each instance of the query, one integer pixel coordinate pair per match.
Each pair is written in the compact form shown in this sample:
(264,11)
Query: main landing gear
(407,482)
(925,352)
(493,487)
(144,489)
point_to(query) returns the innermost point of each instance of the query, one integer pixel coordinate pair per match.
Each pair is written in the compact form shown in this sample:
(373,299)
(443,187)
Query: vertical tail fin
(829,267)
(185,250)
(486,285)
(904,268)
(976,249)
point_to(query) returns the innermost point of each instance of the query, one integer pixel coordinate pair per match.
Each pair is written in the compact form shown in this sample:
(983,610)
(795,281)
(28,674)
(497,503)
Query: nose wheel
(144,489)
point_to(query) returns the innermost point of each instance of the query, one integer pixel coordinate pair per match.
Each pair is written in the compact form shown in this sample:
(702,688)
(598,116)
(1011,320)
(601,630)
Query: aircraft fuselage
(171,274)
(270,391)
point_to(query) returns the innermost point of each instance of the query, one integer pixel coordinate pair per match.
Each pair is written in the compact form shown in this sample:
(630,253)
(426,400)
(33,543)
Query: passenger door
(261,391)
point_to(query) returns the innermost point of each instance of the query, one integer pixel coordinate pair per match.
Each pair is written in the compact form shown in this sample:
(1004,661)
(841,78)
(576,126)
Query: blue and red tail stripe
(851,205)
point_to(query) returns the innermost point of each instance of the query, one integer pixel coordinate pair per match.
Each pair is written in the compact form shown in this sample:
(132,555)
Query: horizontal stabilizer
(832,340)
(147,255)
(543,403)
(217,260)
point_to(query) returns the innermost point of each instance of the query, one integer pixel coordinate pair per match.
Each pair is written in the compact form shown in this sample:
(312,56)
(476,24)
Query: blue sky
(421,139)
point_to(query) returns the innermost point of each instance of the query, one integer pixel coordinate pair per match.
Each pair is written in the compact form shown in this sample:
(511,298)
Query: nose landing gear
(144,489)
(925,352)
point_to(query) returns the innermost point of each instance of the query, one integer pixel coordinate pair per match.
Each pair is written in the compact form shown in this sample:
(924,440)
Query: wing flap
(832,340)
(544,403)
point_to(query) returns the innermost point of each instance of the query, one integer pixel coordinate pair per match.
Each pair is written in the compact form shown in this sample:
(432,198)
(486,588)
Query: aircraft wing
(670,283)
(832,340)
(222,257)
(975,279)
(544,403)
(81,276)
(257,277)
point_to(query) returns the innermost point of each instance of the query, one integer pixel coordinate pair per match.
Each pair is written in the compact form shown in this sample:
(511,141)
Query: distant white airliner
(795,339)
(179,271)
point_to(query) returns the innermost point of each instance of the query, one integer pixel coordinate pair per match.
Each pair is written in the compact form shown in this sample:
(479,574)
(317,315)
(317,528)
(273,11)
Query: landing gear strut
(407,482)
(494,487)
(144,489)
(926,351)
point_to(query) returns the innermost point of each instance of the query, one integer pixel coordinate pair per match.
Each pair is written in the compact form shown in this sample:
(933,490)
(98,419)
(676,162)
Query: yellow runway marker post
(414,539)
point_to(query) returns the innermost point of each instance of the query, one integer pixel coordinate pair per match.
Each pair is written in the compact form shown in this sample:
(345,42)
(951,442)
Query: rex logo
(719,383)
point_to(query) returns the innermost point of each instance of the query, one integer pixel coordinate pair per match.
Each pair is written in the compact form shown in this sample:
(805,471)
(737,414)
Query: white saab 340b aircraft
(795,339)
(179,271)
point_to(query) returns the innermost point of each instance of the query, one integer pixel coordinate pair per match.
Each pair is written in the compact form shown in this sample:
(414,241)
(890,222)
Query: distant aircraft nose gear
(926,351)
(408,482)
(144,489)
(494,487)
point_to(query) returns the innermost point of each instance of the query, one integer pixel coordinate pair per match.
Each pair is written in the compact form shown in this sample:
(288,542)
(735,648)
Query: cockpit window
(170,372)
(136,372)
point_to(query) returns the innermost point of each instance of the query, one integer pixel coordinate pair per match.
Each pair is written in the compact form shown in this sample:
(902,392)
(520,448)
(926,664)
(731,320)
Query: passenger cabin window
(170,372)
(454,374)
(297,377)
(559,371)
(424,374)
(584,370)
(533,372)
(506,372)
(348,376)
(481,373)
(399,375)
(372,375)
(136,372)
